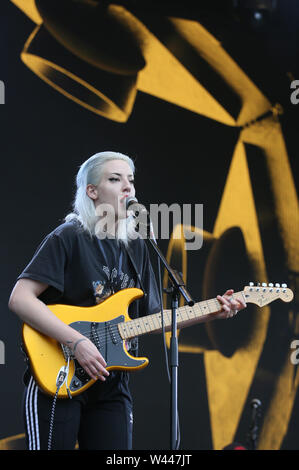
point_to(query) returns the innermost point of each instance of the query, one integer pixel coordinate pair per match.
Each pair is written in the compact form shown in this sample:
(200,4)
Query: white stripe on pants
(32,416)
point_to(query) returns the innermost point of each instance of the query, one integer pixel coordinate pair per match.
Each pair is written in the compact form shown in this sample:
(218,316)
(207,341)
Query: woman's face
(117,183)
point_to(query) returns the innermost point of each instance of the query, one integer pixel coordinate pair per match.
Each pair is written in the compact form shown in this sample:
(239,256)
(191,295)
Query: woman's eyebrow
(120,174)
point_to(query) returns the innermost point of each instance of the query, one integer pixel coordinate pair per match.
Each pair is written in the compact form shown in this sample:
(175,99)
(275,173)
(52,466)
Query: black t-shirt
(83,270)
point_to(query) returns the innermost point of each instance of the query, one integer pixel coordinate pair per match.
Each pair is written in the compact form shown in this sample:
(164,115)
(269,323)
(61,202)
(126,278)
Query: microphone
(130,201)
(140,211)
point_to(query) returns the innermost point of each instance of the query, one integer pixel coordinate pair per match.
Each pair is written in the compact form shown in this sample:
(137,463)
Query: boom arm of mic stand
(175,277)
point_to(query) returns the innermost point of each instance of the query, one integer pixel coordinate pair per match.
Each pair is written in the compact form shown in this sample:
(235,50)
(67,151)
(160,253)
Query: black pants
(98,419)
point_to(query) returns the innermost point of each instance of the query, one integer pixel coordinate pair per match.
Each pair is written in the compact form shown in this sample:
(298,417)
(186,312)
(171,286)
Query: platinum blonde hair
(84,211)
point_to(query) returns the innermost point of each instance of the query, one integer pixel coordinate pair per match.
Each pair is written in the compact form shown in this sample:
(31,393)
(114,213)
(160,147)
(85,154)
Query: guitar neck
(186,316)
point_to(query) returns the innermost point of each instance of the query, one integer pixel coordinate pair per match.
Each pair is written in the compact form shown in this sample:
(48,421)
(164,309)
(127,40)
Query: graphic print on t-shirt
(115,281)
(71,264)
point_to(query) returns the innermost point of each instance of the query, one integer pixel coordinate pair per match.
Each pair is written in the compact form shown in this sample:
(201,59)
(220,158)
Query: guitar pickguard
(105,336)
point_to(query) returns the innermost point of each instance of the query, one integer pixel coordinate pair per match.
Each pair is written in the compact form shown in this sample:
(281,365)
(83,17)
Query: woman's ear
(91,191)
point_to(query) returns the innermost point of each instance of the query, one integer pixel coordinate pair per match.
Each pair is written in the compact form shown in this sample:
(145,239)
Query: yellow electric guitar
(109,327)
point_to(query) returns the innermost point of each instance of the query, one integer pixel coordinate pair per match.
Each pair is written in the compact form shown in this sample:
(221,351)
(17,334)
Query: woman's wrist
(77,342)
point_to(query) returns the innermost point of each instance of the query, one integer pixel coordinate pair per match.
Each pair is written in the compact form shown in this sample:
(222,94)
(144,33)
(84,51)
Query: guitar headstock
(264,294)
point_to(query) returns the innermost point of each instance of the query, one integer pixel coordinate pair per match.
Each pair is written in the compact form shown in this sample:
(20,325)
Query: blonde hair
(84,211)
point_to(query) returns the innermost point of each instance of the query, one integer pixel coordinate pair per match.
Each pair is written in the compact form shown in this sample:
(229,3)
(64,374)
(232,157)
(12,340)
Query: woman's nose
(126,187)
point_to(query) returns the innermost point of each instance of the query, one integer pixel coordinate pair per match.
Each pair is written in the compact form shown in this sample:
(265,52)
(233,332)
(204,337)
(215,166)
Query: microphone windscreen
(131,200)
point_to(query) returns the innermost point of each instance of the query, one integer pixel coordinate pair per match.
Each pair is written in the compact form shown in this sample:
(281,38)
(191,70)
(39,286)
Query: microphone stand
(178,288)
(253,429)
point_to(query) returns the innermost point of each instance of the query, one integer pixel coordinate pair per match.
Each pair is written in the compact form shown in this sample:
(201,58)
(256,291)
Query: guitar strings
(100,337)
(106,336)
(197,307)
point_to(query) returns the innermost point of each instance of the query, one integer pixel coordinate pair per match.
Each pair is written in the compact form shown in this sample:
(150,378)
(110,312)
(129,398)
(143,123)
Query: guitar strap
(139,278)
(133,344)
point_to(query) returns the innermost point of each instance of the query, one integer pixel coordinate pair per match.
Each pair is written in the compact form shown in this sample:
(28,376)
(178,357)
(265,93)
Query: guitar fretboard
(185,316)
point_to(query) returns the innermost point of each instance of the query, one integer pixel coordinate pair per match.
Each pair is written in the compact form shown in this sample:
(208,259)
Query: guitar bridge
(67,353)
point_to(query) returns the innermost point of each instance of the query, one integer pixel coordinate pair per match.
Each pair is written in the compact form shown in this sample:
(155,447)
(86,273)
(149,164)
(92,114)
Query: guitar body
(100,324)
(108,325)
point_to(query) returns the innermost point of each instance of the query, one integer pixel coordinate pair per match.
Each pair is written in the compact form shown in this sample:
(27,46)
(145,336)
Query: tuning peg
(270,284)
(251,284)
(264,284)
(277,285)
(284,285)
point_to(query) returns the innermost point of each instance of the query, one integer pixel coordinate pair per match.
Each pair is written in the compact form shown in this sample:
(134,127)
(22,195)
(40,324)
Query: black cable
(59,383)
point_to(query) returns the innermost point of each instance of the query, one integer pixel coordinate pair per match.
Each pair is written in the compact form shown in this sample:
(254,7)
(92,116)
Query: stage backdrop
(204,100)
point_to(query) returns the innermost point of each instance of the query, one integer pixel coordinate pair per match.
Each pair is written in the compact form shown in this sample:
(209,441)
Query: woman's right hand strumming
(90,358)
